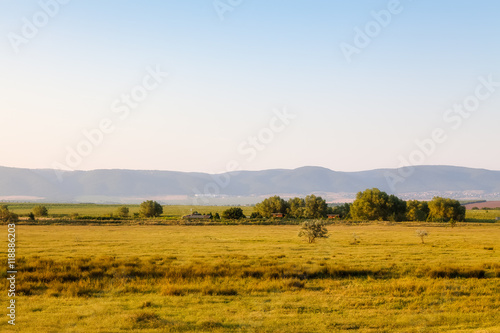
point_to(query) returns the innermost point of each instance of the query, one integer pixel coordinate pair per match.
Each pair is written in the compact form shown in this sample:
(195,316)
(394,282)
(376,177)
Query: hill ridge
(117,185)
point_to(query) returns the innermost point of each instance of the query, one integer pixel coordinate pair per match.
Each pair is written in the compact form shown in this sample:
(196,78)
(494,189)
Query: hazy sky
(253,84)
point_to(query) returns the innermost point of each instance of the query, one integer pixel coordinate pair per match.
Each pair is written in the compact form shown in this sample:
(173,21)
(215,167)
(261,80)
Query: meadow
(482,215)
(95,210)
(174,212)
(368,277)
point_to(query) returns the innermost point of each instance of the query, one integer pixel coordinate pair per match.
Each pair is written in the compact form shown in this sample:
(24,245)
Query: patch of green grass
(480,215)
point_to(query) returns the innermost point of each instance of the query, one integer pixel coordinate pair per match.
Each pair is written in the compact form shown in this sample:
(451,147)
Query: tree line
(371,204)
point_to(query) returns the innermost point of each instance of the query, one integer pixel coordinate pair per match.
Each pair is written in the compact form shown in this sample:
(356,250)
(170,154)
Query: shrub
(6,215)
(255,215)
(150,209)
(146,320)
(40,211)
(122,212)
(312,230)
(422,234)
(234,213)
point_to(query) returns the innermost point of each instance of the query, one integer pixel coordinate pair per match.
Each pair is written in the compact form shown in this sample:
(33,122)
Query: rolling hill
(98,186)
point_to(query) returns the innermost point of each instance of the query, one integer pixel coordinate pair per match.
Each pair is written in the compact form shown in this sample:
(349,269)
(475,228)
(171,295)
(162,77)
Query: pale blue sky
(227,76)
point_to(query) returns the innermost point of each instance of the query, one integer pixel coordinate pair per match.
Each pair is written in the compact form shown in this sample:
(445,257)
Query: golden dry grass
(365,278)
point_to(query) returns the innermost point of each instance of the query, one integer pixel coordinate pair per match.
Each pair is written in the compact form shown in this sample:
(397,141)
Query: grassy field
(482,215)
(177,211)
(169,211)
(364,278)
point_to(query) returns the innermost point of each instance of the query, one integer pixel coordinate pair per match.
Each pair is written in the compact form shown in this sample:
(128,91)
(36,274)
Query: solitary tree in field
(422,234)
(40,211)
(312,230)
(150,209)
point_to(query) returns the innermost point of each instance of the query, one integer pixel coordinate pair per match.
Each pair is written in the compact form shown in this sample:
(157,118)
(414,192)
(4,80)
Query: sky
(215,86)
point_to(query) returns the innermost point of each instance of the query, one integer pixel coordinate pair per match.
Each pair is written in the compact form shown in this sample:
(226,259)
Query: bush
(40,211)
(312,230)
(234,213)
(122,212)
(7,216)
(422,234)
(255,215)
(150,209)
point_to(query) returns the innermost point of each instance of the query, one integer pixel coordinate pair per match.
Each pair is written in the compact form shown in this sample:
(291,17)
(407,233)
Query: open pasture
(366,278)
(95,210)
(172,212)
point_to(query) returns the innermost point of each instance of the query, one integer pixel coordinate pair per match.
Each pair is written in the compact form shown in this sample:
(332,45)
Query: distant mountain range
(243,187)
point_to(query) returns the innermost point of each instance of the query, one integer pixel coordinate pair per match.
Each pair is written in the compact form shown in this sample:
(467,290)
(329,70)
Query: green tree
(312,230)
(396,209)
(343,210)
(233,213)
(372,204)
(123,212)
(150,209)
(271,205)
(296,208)
(6,215)
(40,211)
(417,210)
(255,215)
(316,207)
(444,210)
(216,216)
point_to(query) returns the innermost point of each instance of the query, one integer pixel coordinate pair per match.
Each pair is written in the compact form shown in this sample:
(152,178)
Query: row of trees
(373,204)
(312,207)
